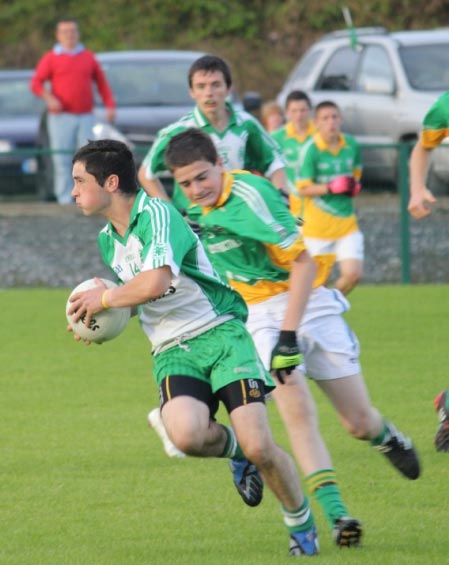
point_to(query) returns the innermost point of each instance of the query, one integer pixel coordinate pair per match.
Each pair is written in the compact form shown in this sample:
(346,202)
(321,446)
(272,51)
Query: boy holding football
(195,322)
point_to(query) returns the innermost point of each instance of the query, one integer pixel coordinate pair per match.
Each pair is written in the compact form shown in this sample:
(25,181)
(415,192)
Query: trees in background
(262,39)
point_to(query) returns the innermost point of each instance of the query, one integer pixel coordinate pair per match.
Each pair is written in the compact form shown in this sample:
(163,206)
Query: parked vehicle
(384,85)
(25,160)
(151,91)
(20,112)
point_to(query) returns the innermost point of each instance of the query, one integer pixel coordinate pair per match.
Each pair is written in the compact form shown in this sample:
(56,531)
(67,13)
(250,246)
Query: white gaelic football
(104,325)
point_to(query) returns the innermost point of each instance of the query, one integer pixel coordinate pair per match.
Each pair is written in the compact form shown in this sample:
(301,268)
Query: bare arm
(279,179)
(153,187)
(421,198)
(314,190)
(143,287)
(301,280)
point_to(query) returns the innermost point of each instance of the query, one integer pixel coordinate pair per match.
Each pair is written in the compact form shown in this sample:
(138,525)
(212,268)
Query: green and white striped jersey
(157,236)
(244,144)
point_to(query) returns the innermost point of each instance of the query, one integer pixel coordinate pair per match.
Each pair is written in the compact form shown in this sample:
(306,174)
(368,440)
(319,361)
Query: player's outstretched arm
(153,187)
(286,355)
(421,198)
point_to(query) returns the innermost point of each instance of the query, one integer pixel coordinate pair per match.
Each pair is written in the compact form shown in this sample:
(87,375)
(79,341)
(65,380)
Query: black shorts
(233,395)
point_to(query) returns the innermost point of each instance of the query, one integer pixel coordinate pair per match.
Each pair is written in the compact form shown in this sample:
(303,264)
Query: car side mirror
(252,101)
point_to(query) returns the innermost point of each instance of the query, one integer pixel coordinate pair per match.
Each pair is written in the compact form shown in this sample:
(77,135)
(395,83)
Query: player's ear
(112,183)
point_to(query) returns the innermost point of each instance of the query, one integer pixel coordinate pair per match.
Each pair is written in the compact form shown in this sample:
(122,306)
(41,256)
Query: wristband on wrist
(103,300)
(287,336)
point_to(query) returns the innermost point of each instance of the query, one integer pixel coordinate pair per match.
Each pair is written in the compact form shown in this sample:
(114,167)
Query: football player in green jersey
(195,322)
(240,139)
(254,241)
(435,129)
(329,179)
(291,139)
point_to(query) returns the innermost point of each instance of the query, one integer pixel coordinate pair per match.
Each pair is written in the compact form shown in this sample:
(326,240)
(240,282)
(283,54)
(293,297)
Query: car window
(376,70)
(148,83)
(305,66)
(339,72)
(16,98)
(426,66)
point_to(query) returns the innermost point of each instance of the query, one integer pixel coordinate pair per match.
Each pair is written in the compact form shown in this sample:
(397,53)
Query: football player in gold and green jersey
(292,137)
(254,241)
(241,141)
(202,352)
(435,129)
(329,179)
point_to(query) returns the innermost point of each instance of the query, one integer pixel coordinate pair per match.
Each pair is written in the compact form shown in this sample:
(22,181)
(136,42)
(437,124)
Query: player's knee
(260,453)
(187,440)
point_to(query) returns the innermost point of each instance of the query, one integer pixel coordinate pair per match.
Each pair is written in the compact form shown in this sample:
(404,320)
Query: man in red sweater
(70,70)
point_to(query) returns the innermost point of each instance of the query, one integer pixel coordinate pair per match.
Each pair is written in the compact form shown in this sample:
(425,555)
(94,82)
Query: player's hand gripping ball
(104,325)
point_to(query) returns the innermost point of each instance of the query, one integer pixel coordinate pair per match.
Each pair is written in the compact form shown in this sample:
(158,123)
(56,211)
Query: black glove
(286,355)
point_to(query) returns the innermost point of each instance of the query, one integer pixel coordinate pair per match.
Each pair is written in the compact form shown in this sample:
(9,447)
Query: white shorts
(329,347)
(348,247)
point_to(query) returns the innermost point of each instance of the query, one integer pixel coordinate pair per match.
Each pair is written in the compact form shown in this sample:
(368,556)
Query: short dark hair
(298,95)
(326,104)
(106,157)
(189,146)
(210,64)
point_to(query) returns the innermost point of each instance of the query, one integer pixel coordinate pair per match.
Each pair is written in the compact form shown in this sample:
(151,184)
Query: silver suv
(384,85)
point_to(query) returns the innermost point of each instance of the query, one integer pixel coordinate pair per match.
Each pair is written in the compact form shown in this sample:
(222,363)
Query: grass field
(84,481)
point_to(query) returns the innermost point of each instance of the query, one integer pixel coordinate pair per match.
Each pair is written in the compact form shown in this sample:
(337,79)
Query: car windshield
(149,83)
(426,66)
(16,98)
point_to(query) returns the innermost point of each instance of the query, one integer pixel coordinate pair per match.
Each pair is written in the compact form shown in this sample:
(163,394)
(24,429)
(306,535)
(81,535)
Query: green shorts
(219,356)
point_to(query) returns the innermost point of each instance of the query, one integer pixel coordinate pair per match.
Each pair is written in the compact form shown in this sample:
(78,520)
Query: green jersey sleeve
(436,123)
(308,160)
(154,161)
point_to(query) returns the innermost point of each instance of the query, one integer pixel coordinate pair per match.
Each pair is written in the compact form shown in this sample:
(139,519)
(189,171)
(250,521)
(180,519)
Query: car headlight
(5,145)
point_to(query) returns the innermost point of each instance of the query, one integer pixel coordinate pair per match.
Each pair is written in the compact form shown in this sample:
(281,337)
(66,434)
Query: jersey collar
(291,132)
(323,146)
(203,122)
(228,180)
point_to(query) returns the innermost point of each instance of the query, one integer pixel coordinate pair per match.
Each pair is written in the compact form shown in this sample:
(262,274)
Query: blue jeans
(67,133)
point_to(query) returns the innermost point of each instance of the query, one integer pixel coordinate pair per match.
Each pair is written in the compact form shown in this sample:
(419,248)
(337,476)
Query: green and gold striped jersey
(436,123)
(332,215)
(250,236)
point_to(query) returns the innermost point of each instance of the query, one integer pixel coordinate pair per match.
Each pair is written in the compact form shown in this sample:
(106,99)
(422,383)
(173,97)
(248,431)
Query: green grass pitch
(84,481)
